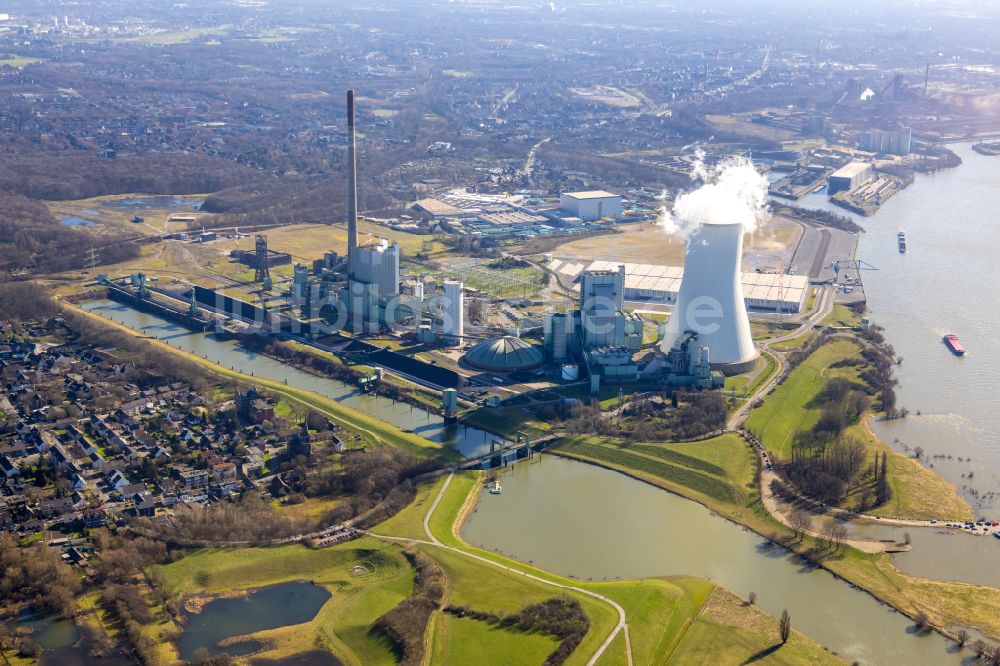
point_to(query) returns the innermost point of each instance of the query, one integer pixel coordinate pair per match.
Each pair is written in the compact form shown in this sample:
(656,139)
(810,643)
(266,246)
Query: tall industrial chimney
(710,302)
(352,182)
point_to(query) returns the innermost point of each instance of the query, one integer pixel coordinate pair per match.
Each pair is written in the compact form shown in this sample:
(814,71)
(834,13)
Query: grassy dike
(945,603)
(918,493)
(668,617)
(373,431)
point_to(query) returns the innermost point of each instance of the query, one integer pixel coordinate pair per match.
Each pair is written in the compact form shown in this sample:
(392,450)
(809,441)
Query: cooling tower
(710,302)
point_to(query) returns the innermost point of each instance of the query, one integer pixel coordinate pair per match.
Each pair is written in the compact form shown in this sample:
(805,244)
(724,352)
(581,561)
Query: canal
(591,523)
(468,441)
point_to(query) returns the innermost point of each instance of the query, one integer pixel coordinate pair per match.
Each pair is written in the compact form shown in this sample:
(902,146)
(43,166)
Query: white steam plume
(732,191)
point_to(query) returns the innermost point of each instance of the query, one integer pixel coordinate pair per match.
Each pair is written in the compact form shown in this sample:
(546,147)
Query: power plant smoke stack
(352,181)
(710,302)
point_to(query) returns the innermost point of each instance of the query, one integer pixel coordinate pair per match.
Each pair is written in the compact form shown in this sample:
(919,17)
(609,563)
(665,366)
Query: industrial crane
(850,264)
(855,264)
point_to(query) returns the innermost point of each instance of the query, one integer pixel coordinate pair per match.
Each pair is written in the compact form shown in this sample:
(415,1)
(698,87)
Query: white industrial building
(771,292)
(591,205)
(710,302)
(849,177)
(891,142)
(373,280)
(376,265)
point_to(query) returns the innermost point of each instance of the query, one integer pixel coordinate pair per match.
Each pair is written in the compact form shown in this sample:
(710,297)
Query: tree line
(406,624)
(562,617)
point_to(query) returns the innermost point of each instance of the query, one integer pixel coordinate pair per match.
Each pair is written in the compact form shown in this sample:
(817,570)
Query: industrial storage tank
(710,301)
(504,354)
(454,311)
(560,336)
(570,372)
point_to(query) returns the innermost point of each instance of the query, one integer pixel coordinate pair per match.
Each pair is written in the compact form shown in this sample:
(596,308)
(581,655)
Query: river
(947,282)
(468,441)
(592,523)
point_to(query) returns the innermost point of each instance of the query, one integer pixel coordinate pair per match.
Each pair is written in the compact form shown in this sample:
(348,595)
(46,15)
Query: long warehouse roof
(651,277)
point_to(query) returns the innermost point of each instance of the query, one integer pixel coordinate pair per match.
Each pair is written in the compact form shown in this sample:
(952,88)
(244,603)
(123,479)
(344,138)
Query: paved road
(434,541)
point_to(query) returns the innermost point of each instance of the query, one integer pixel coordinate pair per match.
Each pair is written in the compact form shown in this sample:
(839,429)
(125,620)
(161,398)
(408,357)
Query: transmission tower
(261,271)
(91,258)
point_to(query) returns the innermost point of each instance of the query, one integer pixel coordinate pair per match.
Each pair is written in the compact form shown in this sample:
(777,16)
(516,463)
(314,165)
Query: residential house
(7,468)
(117,479)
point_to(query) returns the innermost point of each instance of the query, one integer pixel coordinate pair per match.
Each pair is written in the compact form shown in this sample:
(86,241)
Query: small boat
(901,241)
(951,340)
(496,489)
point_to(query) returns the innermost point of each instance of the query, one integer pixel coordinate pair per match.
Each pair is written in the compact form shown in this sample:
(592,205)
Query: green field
(842,317)
(505,421)
(462,484)
(918,493)
(791,407)
(410,521)
(17,61)
(727,631)
(461,641)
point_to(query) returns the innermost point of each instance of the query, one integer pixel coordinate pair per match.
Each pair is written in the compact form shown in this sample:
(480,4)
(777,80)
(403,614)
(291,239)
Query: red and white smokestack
(352,180)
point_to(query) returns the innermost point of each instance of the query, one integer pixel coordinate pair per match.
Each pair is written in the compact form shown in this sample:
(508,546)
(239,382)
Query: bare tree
(785,626)
(922,621)
(800,521)
(838,533)
(752,598)
(963,637)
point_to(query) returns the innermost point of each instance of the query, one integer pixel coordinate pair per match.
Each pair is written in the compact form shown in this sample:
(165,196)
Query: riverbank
(947,604)
(669,618)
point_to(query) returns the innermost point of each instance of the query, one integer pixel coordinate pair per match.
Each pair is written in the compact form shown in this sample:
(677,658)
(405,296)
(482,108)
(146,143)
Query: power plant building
(372,270)
(504,354)
(591,205)
(376,265)
(849,177)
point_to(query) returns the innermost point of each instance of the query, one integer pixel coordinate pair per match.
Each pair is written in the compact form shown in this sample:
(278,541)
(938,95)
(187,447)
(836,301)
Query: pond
(265,608)
(62,643)
(153,202)
(74,221)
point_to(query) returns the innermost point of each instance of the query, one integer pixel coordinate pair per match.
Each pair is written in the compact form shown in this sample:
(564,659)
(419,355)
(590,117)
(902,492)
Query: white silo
(453,327)
(710,302)
(560,336)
